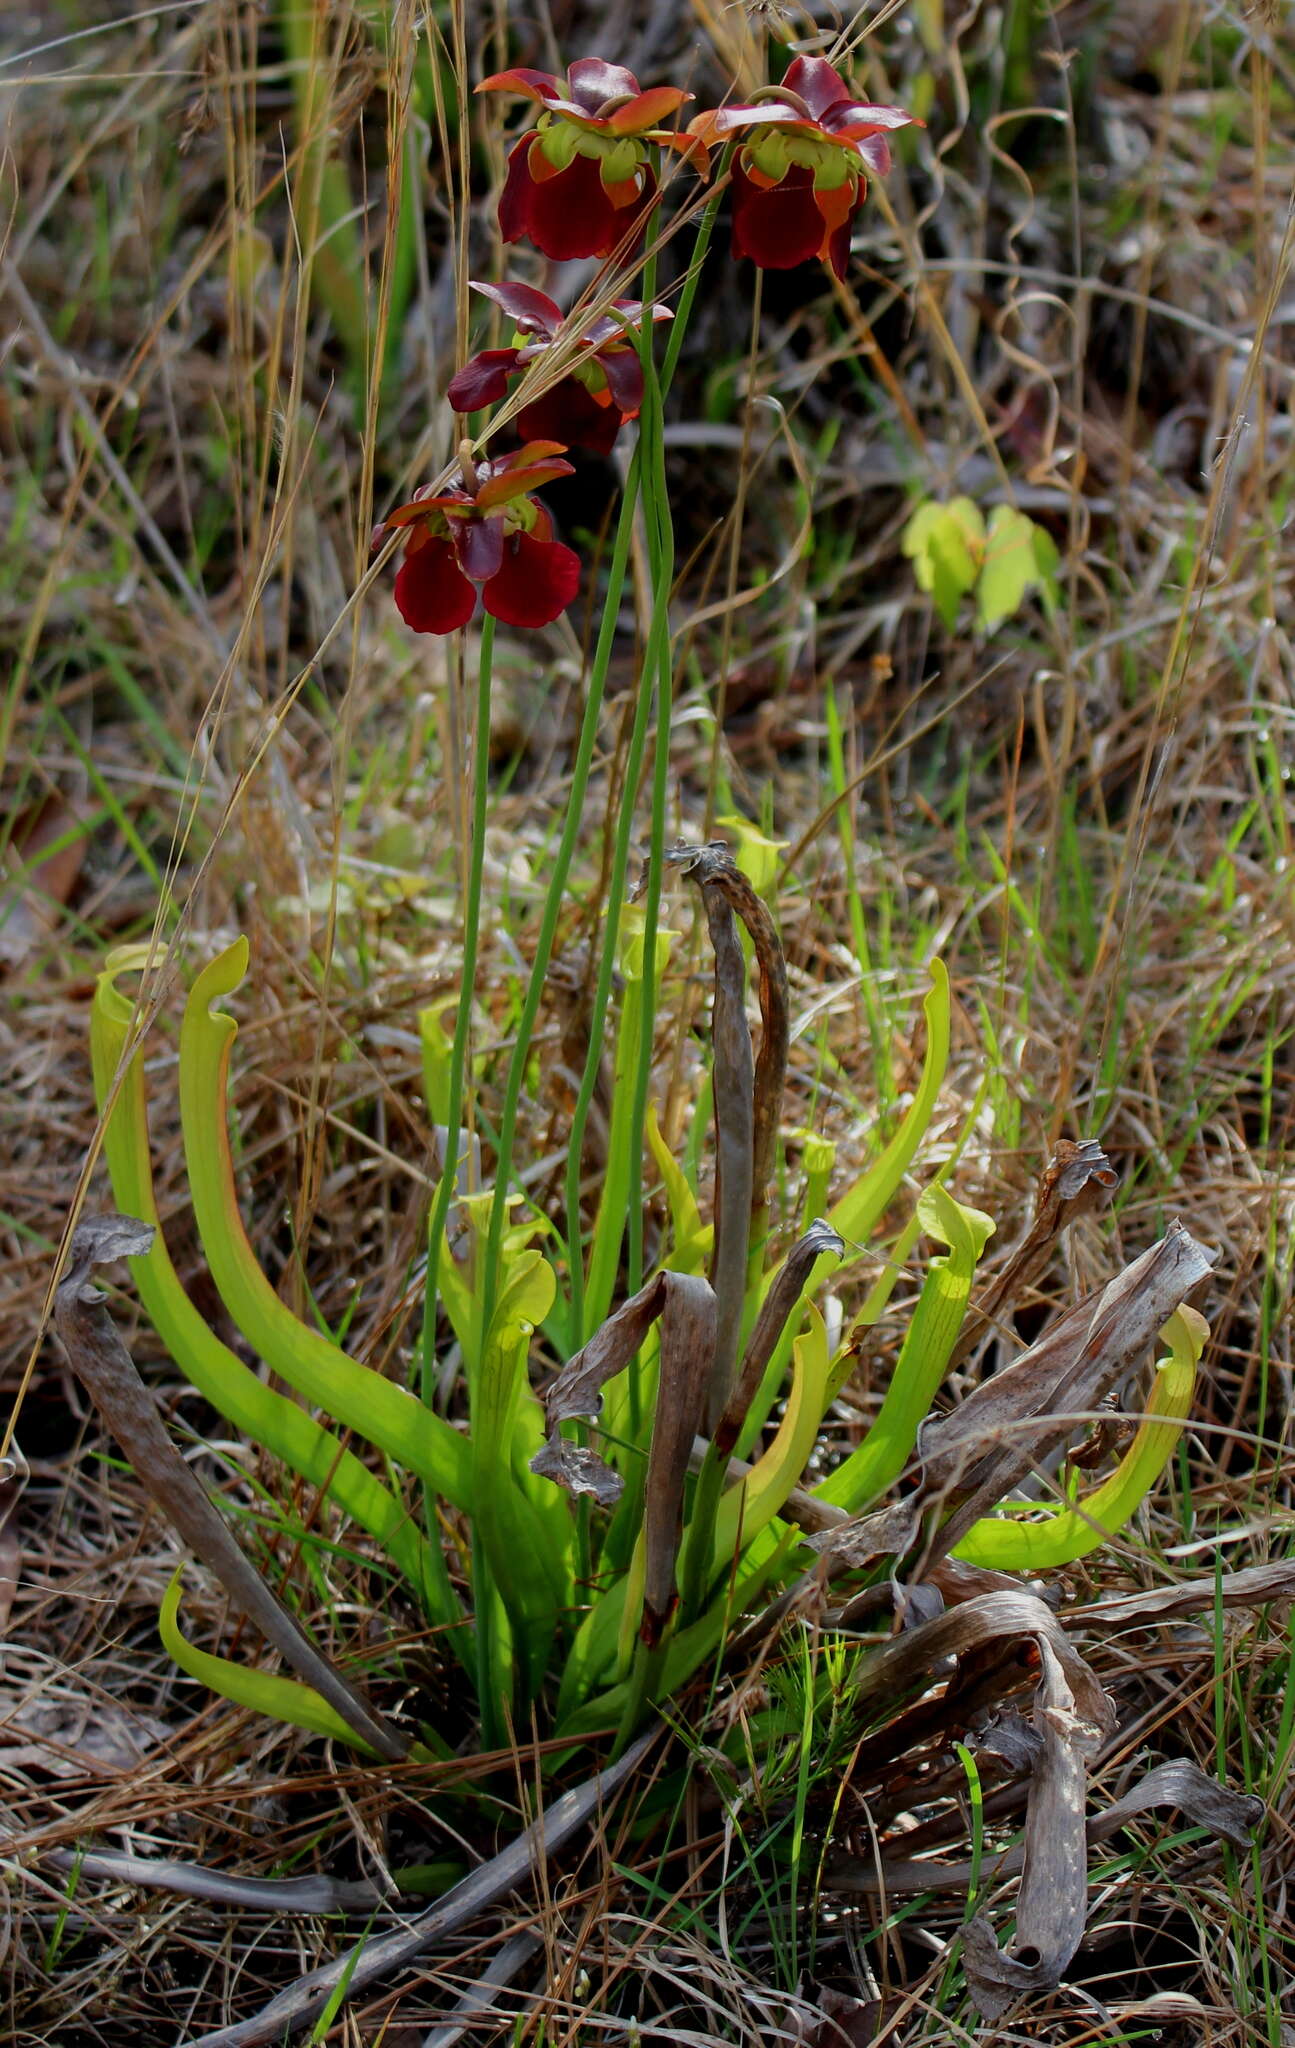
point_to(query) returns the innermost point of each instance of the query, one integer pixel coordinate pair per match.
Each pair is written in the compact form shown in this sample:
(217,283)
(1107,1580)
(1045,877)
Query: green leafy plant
(954,553)
(594,1611)
(603,1574)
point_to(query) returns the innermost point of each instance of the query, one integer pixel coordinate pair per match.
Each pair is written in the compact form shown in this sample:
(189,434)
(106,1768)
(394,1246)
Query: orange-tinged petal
(535,451)
(687,145)
(501,490)
(837,204)
(623,194)
(644,112)
(418,509)
(542,167)
(530,83)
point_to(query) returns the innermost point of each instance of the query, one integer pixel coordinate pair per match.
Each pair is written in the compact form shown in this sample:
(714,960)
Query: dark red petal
(481,548)
(482,380)
(574,413)
(837,252)
(571,215)
(538,580)
(817,83)
(592,83)
(519,189)
(779,228)
(875,151)
(624,373)
(432,593)
(532,311)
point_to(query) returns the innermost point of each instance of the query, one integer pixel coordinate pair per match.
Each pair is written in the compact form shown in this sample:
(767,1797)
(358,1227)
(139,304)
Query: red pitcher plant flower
(485,532)
(584,409)
(580,180)
(800,175)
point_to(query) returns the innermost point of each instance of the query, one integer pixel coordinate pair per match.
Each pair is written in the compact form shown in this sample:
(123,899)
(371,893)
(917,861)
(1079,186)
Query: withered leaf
(687,1348)
(1178,1785)
(578,1470)
(884,1532)
(714,866)
(905,1663)
(748,1099)
(1252,1587)
(376,1957)
(577,1390)
(685,1305)
(1182,1784)
(1076,1180)
(1052,1904)
(783,1295)
(733,1089)
(974,1457)
(312,1894)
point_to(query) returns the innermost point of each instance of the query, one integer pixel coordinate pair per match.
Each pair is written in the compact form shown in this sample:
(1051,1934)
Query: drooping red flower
(584,409)
(484,532)
(579,182)
(801,174)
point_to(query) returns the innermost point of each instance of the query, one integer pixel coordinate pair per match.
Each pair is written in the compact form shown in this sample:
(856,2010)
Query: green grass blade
(609,1225)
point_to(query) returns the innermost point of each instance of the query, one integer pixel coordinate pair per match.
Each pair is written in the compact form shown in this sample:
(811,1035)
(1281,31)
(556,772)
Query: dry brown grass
(1091,820)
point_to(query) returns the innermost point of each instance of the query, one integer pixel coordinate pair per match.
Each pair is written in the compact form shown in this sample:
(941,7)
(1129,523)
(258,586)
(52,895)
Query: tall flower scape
(584,182)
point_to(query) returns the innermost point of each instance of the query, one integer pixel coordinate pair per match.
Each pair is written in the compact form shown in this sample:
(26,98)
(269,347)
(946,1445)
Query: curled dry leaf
(1050,1910)
(973,1458)
(733,1085)
(1053,1899)
(1182,1784)
(578,1470)
(685,1306)
(778,1304)
(1076,1180)
(748,1099)
(1178,1786)
(714,867)
(905,1663)
(1255,1586)
(688,1336)
(314,1894)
